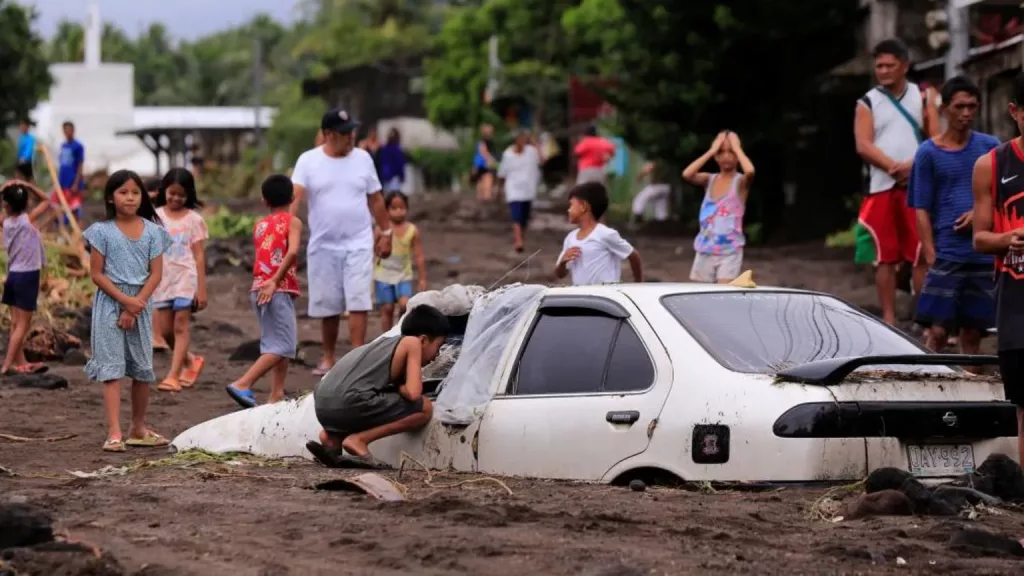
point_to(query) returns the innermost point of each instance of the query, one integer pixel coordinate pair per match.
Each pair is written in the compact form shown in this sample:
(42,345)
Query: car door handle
(622,417)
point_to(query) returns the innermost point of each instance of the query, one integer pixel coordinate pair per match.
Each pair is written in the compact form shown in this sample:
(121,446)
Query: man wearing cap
(340,184)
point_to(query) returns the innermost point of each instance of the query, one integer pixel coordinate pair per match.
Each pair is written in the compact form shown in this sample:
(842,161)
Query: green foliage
(535,65)
(842,238)
(439,167)
(215,70)
(687,70)
(24,72)
(227,224)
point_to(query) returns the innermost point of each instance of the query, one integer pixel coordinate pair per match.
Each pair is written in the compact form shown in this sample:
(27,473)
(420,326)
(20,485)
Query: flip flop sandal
(244,398)
(151,440)
(191,375)
(30,368)
(320,371)
(365,462)
(114,445)
(324,455)
(169,385)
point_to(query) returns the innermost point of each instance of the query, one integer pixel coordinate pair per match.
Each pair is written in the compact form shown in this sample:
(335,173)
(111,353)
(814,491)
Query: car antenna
(517,267)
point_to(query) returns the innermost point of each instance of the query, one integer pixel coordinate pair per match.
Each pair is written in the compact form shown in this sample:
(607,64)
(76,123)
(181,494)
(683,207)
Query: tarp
(466,388)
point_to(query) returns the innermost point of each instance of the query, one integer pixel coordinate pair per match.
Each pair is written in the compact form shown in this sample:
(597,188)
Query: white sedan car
(693,381)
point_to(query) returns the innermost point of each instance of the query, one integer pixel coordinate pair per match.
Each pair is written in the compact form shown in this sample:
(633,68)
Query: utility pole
(257,81)
(959,38)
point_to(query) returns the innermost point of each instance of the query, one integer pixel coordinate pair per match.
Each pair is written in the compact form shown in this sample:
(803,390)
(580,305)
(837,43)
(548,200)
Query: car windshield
(765,332)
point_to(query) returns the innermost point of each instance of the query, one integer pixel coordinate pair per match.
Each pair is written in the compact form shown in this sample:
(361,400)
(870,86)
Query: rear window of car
(764,332)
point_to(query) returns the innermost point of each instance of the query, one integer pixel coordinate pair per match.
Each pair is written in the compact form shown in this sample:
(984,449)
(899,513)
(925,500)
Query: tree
(686,70)
(534,65)
(24,71)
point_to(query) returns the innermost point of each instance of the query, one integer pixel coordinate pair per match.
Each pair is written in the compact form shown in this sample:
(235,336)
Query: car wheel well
(649,475)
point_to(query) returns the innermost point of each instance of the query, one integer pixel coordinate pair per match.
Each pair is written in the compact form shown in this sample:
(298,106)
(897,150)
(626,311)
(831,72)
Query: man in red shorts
(892,119)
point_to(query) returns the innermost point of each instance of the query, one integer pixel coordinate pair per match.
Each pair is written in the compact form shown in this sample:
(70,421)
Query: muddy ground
(217,518)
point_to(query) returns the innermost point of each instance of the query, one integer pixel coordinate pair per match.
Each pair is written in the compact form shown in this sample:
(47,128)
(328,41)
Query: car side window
(580,352)
(629,368)
(565,354)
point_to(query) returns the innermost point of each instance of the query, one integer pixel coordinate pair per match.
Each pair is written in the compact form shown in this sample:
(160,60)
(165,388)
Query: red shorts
(891,226)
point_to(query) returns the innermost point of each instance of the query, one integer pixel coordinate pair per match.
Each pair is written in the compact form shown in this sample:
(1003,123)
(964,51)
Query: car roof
(658,289)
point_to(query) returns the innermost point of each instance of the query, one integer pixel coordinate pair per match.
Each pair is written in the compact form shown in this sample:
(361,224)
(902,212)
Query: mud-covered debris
(24,525)
(881,503)
(63,559)
(76,357)
(247,351)
(371,484)
(47,343)
(985,543)
(1000,476)
(48,381)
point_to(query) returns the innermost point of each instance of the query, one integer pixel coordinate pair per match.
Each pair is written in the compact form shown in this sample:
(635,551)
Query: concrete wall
(99,101)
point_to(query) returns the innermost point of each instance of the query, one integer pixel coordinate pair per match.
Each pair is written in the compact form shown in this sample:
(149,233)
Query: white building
(99,99)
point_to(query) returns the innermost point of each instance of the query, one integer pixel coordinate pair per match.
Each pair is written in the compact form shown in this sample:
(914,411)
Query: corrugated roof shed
(153,118)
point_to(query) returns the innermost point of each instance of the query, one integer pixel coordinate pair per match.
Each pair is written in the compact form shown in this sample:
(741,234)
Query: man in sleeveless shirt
(892,119)
(999,229)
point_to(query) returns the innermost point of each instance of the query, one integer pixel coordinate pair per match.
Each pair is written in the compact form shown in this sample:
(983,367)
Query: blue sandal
(244,398)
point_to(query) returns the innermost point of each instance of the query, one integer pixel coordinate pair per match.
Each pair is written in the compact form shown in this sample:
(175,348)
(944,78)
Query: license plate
(940,459)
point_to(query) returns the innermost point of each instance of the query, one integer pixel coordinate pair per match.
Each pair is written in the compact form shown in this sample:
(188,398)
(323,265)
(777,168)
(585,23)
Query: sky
(185,19)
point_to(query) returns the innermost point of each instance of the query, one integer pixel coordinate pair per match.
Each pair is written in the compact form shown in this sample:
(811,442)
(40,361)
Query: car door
(587,384)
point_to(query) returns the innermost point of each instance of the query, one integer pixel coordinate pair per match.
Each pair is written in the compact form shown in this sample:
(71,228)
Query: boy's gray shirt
(363,371)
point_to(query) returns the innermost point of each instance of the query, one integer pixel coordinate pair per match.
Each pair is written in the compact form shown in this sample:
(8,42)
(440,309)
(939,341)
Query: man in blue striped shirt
(958,290)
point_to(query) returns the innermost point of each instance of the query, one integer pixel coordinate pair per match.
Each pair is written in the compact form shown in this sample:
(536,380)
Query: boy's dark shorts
(25,169)
(363,411)
(957,295)
(21,290)
(1011,367)
(520,212)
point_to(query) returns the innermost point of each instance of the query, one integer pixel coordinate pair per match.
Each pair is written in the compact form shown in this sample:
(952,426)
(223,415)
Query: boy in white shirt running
(593,253)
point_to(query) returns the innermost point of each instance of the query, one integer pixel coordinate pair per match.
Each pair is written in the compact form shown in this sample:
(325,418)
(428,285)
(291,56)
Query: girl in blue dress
(126,260)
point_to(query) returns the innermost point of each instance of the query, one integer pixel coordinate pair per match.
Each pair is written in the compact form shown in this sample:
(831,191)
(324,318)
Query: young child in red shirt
(274,289)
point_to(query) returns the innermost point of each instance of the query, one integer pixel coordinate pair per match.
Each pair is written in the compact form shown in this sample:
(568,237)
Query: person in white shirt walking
(593,253)
(519,173)
(340,184)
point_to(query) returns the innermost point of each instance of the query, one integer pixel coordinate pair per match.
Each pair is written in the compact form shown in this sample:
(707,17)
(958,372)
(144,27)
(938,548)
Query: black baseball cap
(338,120)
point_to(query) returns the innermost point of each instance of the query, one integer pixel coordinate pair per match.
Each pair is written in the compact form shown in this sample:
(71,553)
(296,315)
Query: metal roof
(161,118)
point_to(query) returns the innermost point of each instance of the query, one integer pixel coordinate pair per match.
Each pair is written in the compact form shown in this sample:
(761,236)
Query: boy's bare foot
(355,446)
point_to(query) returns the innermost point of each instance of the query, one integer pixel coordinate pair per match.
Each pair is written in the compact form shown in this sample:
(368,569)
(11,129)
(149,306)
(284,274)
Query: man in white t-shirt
(519,173)
(593,253)
(340,184)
